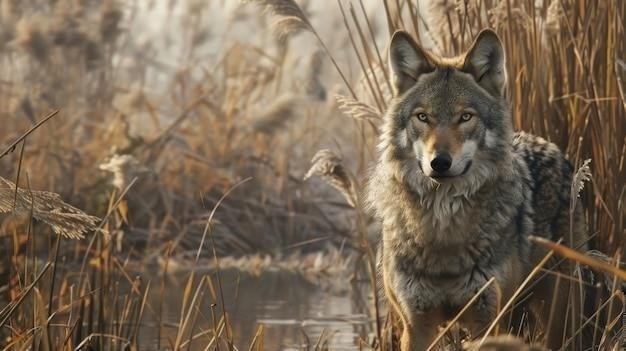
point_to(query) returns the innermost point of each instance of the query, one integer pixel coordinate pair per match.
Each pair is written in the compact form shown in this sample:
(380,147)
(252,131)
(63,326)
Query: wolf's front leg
(422,331)
(483,312)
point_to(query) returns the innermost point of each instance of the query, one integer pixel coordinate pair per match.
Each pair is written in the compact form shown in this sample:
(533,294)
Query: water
(293,312)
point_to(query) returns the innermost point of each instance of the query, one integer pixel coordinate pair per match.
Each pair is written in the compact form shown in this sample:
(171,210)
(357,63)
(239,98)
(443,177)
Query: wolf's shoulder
(541,156)
(550,180)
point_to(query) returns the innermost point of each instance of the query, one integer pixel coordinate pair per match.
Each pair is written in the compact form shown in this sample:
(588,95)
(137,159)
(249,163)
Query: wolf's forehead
(445,92)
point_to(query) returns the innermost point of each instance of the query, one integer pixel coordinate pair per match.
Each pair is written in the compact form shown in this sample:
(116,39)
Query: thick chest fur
(432,259)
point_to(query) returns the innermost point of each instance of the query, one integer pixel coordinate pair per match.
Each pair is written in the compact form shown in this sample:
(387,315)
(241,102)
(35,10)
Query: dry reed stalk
(375,93)
(357,110)
(329,166)
(580,257)
(290,9)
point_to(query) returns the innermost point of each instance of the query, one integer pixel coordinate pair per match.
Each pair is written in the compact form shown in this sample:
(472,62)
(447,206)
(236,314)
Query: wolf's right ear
(407,61)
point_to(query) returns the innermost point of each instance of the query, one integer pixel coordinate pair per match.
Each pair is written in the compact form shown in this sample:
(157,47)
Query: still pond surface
(293,311)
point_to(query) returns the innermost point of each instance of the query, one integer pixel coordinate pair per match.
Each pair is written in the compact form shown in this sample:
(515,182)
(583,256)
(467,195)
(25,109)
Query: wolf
(458,194)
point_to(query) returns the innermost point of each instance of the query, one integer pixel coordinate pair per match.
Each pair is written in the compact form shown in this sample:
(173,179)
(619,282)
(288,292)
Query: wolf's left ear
(407,61)
(485,60)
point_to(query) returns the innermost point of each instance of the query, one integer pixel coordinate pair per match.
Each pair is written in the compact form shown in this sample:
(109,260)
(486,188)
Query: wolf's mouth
(443,176)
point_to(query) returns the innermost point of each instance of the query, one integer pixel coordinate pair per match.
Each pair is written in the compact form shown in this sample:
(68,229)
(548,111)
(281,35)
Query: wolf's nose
(441,162)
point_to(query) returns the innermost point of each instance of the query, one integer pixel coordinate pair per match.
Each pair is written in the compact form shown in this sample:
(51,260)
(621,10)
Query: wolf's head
(449,121)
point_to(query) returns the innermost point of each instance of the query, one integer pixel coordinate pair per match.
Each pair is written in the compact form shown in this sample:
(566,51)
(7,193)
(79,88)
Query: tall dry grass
(155,164)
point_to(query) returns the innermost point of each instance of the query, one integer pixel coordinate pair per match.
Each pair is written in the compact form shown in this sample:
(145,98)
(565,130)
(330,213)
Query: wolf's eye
(422,117)
(466,117)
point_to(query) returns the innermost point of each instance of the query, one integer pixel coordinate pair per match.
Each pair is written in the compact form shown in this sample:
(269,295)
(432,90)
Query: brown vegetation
(211,163)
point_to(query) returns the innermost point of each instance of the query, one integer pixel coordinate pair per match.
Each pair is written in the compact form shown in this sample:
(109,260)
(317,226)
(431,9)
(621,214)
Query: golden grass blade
(257,340)
(188,308)
(578,256)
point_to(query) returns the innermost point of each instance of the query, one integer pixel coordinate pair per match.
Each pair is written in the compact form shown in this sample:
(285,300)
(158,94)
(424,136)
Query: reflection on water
(293,312)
